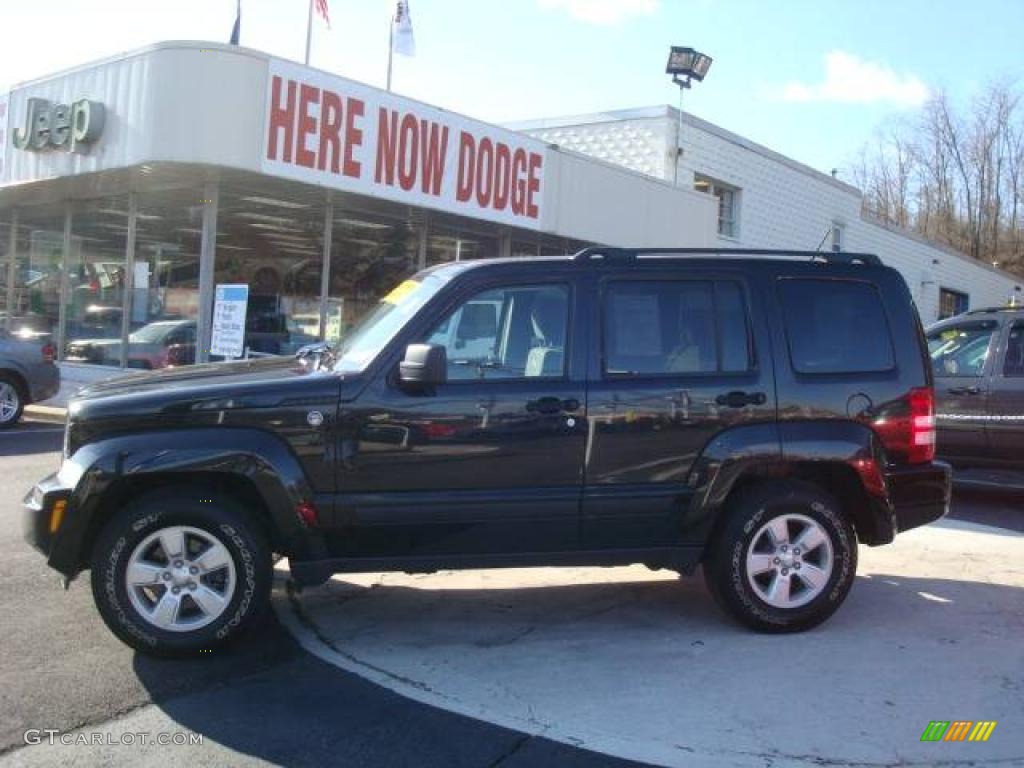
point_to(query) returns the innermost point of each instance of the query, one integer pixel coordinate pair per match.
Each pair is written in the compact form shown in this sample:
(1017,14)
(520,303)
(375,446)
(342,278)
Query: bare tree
(954,178)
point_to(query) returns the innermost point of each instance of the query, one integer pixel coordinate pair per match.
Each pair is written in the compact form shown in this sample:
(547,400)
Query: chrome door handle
(964,390)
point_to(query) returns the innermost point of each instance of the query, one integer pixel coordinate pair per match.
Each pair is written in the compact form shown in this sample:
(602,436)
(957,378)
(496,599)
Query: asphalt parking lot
(518,669)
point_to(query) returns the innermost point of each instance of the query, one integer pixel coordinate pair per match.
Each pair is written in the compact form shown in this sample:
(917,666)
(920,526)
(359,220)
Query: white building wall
(781,203)
(927,268)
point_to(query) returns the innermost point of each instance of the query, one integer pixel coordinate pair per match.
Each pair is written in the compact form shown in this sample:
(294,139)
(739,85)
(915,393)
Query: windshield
(152,333)
(368,337)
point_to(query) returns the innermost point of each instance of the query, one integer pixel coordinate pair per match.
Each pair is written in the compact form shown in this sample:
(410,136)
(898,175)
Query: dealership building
(131,188)
(767,200)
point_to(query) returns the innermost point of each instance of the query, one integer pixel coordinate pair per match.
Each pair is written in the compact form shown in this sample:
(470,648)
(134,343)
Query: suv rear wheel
(785,558)
(180,572)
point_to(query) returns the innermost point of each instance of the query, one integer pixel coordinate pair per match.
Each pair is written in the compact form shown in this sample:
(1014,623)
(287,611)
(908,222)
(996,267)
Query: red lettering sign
(435,150)
(533,185)
(330,131)
(307,125)
(318,123)
(282,118)
(467,167)
(353,137)
(387,145)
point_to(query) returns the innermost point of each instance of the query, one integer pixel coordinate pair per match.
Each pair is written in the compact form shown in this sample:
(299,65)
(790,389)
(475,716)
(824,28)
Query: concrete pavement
(642,665)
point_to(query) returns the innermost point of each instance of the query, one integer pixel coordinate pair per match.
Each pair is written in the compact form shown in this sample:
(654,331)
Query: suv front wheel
(180,572)
(784,559)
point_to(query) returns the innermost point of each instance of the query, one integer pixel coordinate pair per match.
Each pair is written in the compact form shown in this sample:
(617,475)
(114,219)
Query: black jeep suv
(758,413)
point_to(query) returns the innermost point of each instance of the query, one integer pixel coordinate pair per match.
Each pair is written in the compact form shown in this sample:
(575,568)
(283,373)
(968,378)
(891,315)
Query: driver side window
(507,333)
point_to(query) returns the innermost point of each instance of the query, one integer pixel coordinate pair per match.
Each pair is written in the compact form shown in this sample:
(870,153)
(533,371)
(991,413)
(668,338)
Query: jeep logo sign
(59,126)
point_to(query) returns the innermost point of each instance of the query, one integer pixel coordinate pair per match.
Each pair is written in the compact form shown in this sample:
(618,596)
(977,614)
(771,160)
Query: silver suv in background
(978,362)
(27,375)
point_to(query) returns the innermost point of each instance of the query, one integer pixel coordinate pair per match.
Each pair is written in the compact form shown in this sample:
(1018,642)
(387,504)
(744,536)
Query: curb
(46,413)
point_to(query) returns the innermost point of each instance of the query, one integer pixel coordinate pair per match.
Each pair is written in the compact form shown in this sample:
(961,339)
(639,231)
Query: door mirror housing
(424,366)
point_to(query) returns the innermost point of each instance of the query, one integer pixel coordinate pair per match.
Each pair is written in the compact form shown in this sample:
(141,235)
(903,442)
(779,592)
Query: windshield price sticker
(228,338)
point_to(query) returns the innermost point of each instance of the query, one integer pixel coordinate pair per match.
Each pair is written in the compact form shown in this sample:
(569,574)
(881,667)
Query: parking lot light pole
(685,65)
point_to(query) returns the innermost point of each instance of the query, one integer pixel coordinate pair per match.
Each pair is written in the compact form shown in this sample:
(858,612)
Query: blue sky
(812,79)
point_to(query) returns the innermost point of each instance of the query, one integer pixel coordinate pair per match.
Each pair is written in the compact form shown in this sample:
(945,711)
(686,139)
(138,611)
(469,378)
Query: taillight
(908,429)
(922,425)
(48,353)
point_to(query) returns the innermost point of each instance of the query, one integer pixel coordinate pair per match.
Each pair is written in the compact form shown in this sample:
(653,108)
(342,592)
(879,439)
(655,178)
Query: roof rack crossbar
(601,253)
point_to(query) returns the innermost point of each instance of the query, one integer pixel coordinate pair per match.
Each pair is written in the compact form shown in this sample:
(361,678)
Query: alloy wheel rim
(789,561)
(180,578)
(9,401)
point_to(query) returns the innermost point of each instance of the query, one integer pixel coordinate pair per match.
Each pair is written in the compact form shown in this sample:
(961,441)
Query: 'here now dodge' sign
(338,133)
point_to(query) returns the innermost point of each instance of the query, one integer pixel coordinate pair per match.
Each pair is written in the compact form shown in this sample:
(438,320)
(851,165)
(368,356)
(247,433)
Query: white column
(62,312)
(325,274)
(12,270)
(207,254)
(128,280)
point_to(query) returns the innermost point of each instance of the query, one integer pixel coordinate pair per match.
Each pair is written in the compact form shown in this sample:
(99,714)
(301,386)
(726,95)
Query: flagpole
(309,31)
(391,48)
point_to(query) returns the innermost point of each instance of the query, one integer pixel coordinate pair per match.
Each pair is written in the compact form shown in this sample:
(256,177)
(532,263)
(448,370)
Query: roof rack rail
(600,253)
(1004,308)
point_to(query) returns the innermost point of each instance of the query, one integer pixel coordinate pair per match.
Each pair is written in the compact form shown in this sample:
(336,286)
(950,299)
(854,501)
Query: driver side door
(489,462)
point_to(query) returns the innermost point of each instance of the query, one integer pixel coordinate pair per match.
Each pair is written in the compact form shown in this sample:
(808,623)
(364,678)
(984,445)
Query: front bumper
(920,494)
(43,522)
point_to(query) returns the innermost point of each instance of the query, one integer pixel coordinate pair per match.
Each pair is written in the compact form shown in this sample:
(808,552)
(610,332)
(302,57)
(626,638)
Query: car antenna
(824,237)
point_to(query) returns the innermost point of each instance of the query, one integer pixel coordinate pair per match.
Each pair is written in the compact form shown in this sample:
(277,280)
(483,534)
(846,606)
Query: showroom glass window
(370,255)
(447,243)
(38,264)
(165,269)
(96,272)
(272,240)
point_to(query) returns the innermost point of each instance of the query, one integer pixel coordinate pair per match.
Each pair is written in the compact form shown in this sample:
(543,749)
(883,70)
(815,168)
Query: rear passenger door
(1006,401)
(676,362)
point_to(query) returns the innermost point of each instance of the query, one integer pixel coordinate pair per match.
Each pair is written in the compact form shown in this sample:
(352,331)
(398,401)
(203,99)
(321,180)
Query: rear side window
(835,326)
(682,327)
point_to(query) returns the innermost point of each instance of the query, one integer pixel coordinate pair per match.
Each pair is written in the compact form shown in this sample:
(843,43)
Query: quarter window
(675,328)
(507,333)
(835,326)
(961,351)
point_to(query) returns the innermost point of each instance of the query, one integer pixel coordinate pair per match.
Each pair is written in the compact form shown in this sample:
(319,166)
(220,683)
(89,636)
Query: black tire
(212,515)
(18,393)
(725,560)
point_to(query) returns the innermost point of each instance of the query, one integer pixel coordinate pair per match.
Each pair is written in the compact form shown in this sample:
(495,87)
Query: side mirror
(424,366)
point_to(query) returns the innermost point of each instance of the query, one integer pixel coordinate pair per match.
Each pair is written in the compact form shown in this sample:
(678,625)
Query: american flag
(321,8)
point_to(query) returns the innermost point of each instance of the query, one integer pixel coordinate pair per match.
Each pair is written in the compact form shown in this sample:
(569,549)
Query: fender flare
(812,448)
(261,459)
